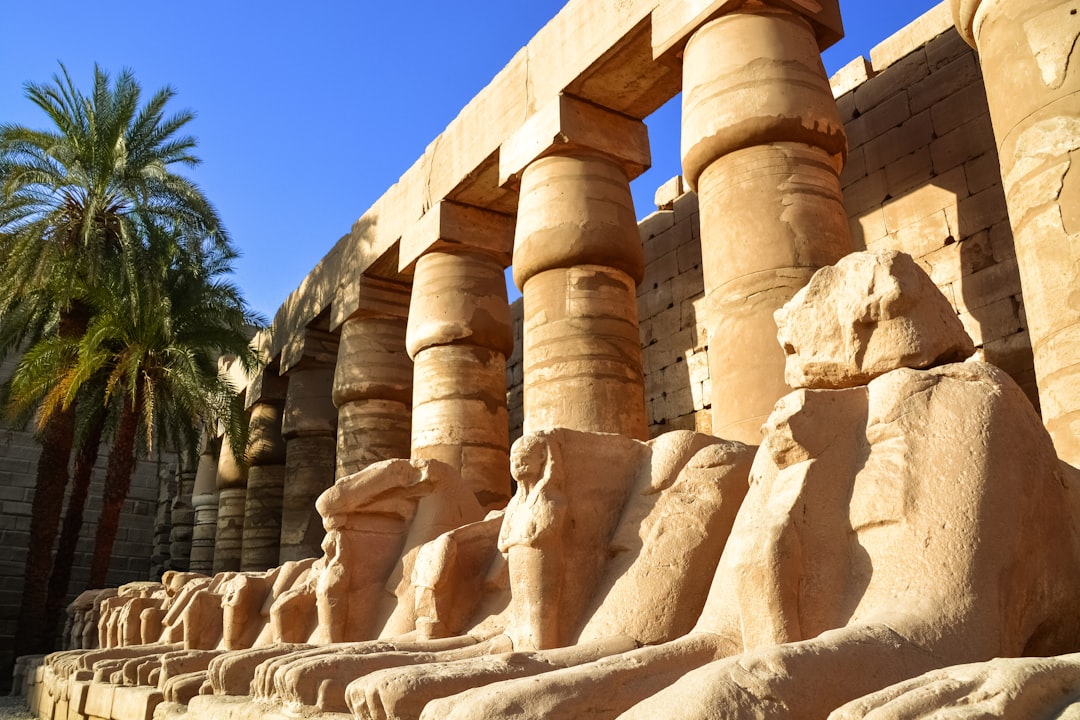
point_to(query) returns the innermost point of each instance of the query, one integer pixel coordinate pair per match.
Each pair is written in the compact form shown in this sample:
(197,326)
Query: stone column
(266,473)
(578,260)
(458,336)
(309,426)
(182,515)
(232,491)
(373,378)
(763,146)
(1026,50)
(163,520)
(204,500)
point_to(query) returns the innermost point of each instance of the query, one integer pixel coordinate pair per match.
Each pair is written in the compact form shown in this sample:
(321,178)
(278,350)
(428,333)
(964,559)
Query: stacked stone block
(923,177)
(674,338)
(135,538)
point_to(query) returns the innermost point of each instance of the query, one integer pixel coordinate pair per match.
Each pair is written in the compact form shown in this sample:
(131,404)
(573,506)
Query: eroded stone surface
(867,315)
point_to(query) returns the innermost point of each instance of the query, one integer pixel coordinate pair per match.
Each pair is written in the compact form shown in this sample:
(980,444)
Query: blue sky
(307,112)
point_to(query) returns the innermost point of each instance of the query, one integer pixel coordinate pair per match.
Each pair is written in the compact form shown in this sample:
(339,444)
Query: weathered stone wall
(134,540)
(922,177)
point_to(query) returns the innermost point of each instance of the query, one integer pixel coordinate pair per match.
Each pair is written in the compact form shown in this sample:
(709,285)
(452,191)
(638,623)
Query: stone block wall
(671,311)
(134,541)
(922,177)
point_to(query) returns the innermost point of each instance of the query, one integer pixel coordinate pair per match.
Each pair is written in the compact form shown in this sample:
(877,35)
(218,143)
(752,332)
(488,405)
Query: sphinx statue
(906,512)
(376,520)
(608,543)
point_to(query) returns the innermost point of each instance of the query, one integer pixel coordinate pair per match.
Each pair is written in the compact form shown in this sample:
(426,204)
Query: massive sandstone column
(204,500)
(182,515)
(1026,49)
(763,145)
(458,336)
(373,378)
(232,492)
(309,427)
(577,260)
(266,473)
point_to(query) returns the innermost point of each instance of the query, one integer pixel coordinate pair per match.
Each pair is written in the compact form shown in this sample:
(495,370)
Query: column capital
(674,21)
(452,227)
(967,17)
(567,126)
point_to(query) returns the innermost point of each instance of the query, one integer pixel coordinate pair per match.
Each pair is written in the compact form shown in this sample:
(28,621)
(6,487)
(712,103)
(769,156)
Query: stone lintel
(369,296)
(267,385)
(313,348)
(567,124)
(674,21)
(449,226)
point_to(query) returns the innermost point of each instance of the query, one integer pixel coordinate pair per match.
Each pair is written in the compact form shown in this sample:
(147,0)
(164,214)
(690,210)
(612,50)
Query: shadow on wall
(923,177)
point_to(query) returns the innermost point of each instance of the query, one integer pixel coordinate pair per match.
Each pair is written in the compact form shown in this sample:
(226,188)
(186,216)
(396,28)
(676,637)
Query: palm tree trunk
(85,460)
(117,484)
(32,634)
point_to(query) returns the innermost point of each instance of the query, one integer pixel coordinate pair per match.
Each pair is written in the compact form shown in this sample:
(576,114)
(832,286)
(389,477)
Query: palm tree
(74,200)
(158,345)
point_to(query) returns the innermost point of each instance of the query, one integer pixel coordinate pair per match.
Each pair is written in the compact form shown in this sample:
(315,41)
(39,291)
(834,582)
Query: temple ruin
(801,443)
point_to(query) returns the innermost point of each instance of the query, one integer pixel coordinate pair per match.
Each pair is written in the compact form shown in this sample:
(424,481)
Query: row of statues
(902,544)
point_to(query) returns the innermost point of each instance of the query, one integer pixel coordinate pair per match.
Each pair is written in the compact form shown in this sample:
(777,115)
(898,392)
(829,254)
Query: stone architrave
(373,378)
(763,146)
(309,426)
(204,500)
(459,336)
(266,474)
(913,521)
(578,261)
(1033,90)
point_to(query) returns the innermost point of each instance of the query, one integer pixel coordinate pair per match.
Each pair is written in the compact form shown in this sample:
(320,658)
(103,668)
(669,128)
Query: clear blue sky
(307,112)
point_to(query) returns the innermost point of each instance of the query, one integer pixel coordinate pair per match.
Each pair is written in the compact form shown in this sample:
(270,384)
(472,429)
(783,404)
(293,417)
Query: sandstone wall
(134,540)
(922,177)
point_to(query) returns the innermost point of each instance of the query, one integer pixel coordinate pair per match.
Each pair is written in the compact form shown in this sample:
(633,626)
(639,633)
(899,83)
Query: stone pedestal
(373,379)
(265,485)
(309,426)
(577,260)
(232,491)
(458,336)
(204,501)
(763,145)
(1033,90)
